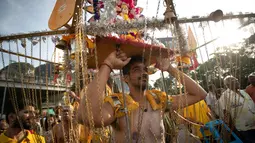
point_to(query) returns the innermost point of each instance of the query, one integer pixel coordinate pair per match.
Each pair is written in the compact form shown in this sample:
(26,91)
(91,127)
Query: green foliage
(17,70)
(168,83)
(41,70)
(238,64)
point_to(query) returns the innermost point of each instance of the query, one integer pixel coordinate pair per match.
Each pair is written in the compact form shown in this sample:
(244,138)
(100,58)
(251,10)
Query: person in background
(84,133)
(3,125)
(200,114)
(184,135)
(37,125)
(211,97)
(251,88)
(63,132)
(20,123)
(58,112)
(48,125)
(219,92)
(237,110)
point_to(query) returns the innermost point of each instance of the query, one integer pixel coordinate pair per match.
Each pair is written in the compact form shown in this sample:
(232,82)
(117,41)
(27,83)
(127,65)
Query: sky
(26,16)
(22,16)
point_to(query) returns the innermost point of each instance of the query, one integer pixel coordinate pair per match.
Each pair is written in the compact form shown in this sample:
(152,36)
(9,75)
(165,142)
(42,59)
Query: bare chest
(62,133)
(147,126)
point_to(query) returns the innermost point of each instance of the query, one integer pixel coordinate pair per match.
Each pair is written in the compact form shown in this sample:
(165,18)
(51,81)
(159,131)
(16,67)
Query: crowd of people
(143,108)
(235,106)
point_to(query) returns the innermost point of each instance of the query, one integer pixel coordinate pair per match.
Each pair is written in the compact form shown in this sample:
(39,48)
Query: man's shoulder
(250,88)
(228,92)
(225,95)
(31,137)
(36,138)
(156,94)
(56,127)
(117,102)
(115,97)
(156,91)
(4,138)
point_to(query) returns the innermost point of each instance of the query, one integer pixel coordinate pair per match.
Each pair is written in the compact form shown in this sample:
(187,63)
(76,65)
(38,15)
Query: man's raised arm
(195,92)
(95,91)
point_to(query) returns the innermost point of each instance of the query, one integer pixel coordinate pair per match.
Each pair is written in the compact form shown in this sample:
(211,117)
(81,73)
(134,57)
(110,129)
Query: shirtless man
(62,132)
(135,75)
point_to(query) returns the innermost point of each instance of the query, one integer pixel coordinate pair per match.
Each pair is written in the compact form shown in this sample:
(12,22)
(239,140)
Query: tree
(168,83)
(17,71)
(40,71)
(238,63)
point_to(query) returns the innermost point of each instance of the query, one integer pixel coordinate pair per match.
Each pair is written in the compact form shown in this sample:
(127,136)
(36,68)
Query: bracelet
(107,66)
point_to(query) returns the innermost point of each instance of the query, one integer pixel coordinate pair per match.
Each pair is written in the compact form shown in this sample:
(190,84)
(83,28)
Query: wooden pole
(22,55)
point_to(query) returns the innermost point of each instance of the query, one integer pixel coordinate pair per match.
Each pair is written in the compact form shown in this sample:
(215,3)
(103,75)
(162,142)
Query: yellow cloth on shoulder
(198,112)
(30,138)
(116,100)
(157,100)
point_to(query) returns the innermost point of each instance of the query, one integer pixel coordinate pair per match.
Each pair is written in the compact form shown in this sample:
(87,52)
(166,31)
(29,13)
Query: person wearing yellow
(20,123)
(28,137)
(63,132)
(198,113)
(151,103)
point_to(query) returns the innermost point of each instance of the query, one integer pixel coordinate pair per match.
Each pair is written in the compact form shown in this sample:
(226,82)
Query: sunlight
(228,38)
(232,35)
